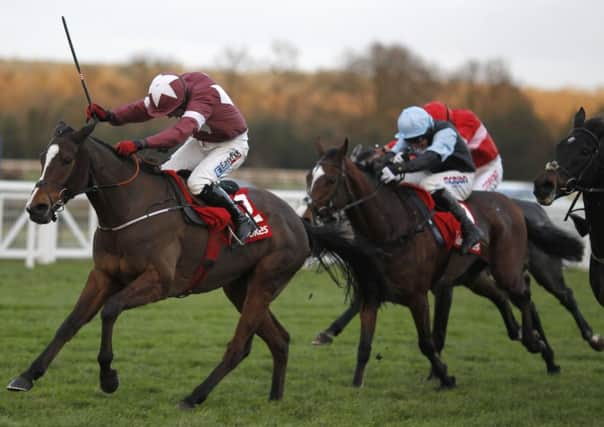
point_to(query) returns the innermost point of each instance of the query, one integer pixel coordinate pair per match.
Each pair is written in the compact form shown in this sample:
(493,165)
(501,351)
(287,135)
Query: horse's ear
(319,147)
(83,133)
(579,118)
(343,149)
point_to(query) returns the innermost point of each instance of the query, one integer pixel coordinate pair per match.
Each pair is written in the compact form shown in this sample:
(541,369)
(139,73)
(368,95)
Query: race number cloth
(447,224)
(245,203)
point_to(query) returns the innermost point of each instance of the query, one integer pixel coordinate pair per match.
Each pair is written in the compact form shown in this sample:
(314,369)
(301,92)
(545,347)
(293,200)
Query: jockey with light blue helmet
(441,164)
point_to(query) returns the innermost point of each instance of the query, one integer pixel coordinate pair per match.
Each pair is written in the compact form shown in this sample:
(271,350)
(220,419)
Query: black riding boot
(214,195)
(471,234)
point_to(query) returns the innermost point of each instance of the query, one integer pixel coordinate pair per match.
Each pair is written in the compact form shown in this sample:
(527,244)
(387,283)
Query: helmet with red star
(167,92)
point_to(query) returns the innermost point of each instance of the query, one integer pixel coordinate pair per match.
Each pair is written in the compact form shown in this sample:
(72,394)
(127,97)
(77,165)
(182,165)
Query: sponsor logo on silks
(455,179)
(260,231)
(227,164)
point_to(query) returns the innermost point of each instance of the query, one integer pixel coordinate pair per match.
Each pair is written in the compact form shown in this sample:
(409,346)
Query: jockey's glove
(391,173)
(98,112)
(129,146)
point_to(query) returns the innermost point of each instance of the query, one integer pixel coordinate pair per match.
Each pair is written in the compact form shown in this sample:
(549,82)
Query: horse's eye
(330,179)
(67,160)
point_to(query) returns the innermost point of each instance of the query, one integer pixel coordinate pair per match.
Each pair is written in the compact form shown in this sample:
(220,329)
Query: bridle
(573,183)
(65,194)
(329,210)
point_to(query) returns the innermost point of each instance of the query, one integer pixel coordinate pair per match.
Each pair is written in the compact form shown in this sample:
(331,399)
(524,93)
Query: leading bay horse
(579,168)
(144,252)
(413,262)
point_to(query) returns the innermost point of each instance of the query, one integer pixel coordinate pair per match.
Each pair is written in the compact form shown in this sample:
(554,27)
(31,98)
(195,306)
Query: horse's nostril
(37,208)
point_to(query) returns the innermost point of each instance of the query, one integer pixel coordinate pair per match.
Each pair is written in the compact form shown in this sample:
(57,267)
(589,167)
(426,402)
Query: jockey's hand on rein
(98,112)
(391,173)
(129,146)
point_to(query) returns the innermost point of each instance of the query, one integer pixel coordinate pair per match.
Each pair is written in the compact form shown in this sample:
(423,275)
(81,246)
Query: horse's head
(578,161)
(326,183)
(63,172)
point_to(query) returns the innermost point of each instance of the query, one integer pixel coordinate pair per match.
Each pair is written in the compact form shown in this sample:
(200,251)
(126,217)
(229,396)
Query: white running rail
(71,235)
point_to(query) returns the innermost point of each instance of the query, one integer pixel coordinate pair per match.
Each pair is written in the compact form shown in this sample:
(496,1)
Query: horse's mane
(596,125)
(63,128)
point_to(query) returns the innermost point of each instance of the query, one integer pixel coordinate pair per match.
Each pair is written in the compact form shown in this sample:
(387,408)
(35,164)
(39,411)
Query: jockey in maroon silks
(211,129)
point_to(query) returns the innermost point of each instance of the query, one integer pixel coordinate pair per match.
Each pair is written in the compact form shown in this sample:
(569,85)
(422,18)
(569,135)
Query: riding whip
(75,59)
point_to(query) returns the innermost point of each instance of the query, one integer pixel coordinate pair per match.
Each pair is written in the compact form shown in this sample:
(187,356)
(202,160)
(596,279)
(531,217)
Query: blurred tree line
(288,110)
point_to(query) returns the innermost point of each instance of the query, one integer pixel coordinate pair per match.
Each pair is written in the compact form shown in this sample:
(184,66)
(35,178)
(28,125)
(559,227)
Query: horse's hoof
(20,384)
(448,383)
(185,405)
(596,342)
(553,370)
(322,339)
(110,382)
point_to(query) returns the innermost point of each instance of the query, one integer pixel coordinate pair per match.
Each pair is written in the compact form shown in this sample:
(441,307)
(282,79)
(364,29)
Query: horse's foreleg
(484,285)
(145,289)
(98,288)
(368,320)
(421,315)
(547,271)
(338,325)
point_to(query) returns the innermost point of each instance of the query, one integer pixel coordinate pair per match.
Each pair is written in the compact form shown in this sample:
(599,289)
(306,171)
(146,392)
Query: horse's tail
(357,260)
(553,240)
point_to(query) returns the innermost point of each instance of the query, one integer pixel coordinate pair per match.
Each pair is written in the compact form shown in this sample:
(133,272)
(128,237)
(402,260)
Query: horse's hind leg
(368,320)
(483,284)
(265,284)
(421,315)
(98,288)
(547,271)
(547,353)
(272,332)
(338,325)
(145,289)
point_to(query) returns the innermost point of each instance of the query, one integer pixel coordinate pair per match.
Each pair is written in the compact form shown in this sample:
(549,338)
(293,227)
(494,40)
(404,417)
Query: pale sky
(547,44)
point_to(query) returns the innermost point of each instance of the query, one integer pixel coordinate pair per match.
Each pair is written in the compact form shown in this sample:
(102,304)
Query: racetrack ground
(162,351)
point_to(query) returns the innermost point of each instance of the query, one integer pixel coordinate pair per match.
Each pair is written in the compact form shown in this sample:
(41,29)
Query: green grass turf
(162,351)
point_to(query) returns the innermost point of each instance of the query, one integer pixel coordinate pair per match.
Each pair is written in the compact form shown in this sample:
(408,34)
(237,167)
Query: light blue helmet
(413,122)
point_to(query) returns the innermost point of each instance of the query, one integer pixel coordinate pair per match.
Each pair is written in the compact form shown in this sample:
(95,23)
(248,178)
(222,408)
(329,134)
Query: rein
(329,208)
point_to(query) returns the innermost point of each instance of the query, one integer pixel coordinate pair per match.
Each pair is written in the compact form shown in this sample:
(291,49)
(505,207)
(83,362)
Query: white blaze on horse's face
(51,153)
(317,173)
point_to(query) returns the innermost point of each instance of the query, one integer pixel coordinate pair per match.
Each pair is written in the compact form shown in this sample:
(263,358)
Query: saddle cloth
(446,224)
(216,217)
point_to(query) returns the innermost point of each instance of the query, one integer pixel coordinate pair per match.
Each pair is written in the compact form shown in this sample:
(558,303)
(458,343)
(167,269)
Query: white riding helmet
(413,122)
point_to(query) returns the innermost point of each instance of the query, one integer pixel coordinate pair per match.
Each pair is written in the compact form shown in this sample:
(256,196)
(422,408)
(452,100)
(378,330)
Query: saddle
(444,226)
(190,214)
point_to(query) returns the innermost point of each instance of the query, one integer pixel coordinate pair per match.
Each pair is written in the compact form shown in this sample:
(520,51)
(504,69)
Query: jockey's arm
(173,135)
(134,112)
(443,145)
(424,161)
